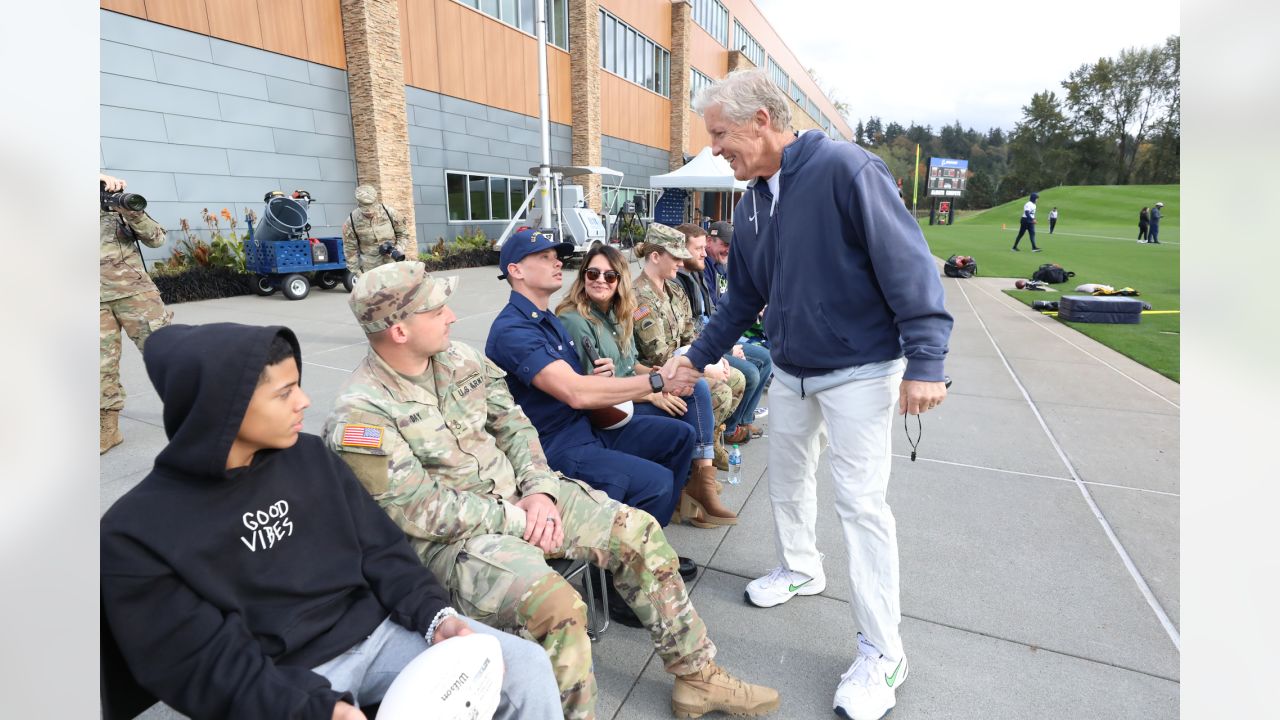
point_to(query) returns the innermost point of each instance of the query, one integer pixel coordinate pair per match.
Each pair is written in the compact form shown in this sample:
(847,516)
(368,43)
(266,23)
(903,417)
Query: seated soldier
(646,462)
(249,575)
(430,428)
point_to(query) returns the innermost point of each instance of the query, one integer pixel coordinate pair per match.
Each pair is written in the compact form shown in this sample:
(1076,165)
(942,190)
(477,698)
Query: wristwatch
(655,381)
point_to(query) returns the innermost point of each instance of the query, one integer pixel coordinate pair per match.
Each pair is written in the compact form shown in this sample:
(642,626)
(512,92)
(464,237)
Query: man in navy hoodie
(249,575)
(856,326)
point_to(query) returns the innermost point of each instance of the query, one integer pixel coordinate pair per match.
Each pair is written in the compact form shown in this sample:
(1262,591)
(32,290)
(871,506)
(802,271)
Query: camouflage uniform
(127,298)
(664,323)
(362,236)
(453,453)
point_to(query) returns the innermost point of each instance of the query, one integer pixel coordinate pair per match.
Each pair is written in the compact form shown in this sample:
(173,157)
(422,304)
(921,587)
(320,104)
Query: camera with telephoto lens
(120,200)
(389,248)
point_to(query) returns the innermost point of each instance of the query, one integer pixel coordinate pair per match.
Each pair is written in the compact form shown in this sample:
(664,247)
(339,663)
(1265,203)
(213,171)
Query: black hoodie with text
(223,587)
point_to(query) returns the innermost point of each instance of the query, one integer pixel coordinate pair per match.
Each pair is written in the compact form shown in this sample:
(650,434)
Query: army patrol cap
(721,230)
(366,194)
(667,238)
(390,293)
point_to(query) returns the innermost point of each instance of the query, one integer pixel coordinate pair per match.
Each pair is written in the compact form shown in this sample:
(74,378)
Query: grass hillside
(1095,238)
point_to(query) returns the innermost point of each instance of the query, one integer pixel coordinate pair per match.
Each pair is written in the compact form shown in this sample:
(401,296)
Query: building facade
(209,104)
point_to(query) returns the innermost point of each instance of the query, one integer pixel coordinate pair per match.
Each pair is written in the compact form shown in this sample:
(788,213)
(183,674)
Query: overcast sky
(986,59)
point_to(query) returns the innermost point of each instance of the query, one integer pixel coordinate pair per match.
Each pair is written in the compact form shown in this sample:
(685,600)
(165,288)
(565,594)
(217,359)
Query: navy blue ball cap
(1035,197)
(527,242)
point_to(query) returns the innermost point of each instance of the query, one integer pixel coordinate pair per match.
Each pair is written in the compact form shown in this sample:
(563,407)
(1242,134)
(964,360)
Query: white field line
(1133,239)
(1067,340)
(1143,587)
(1037,475)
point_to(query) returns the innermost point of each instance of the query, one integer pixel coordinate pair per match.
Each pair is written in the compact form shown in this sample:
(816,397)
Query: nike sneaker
(780,585)
(868,689)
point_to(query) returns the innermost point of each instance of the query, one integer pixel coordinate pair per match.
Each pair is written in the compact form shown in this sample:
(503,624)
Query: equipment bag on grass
(1052,273)
(960,266)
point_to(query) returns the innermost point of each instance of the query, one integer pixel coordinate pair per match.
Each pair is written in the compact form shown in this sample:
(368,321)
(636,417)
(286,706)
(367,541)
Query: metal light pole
(544,119)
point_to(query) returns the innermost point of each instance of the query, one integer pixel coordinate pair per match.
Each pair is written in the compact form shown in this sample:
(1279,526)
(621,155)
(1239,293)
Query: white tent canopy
(706,172)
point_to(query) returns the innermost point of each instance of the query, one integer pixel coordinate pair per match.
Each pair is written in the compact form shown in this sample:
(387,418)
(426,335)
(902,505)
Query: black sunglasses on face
(610,276)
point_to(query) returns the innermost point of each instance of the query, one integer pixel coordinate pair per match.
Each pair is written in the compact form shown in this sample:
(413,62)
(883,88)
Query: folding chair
(597,622)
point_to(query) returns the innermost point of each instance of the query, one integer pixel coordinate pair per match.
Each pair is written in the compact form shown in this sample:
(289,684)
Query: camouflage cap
(366,194)
(391,293)
(667,238)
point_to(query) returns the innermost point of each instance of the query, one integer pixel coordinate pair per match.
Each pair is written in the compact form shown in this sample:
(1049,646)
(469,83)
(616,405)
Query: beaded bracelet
(445,612)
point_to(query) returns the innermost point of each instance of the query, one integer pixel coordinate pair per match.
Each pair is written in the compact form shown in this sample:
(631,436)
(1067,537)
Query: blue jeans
(756,369)
(366,671)
(644,464)
(698,414)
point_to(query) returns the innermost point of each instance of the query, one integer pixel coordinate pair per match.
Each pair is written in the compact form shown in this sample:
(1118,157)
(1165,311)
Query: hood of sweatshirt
(206,375)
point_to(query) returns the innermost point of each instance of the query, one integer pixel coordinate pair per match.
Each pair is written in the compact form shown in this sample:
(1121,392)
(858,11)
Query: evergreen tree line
(1117,122)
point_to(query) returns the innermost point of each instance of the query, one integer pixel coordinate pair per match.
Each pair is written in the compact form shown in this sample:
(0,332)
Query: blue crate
(286,256)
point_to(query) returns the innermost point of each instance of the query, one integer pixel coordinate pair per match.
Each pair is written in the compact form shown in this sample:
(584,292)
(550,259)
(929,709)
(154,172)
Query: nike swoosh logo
(891,679)
(793,588)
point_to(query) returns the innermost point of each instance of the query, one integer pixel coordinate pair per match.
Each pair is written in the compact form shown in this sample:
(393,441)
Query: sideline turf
(1096,238)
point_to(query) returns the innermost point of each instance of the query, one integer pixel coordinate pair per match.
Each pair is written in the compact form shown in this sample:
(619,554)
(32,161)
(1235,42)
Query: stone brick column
(739,61)
(375,80)
(584,93)
(681,17)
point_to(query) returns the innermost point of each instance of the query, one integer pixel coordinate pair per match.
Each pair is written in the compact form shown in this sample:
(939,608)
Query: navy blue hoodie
(223,587)
(842,265)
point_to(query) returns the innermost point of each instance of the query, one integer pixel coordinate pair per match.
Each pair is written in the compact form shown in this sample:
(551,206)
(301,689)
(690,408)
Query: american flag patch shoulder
(369,436)
(640,312)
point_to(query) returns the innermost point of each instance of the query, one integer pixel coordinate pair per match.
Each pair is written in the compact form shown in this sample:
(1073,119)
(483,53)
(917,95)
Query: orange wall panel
(649,17)
(448,30)
(235,20)
(135,8)
(322,22)
(186,14)
(419,45)
(630,112)
(282,27)
(698,136)
(706,54)
(471,51)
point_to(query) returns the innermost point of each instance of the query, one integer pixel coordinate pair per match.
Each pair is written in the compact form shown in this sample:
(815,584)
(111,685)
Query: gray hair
(744,92)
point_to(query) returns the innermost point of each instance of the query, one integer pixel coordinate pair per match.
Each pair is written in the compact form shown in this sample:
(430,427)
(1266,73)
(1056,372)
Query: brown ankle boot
(711,689)
(700,503)
(108,430)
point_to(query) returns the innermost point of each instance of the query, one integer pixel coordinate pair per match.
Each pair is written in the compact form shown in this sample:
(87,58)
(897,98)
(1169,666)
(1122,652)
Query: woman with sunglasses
(599,306)
(664,327)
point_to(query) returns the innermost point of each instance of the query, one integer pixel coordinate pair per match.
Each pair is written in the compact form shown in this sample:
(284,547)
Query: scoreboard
(947,177)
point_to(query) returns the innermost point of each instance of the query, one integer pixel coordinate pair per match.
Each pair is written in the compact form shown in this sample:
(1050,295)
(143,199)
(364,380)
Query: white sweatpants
(858,416)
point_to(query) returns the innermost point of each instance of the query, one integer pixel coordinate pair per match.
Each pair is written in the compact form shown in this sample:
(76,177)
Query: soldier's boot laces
(700,504)
(712,689)
(108,430)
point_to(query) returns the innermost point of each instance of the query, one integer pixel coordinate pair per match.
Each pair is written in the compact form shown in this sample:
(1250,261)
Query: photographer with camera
(374,234)
(127,298)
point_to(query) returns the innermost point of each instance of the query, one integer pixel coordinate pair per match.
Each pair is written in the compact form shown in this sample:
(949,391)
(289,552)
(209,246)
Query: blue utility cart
(281,256)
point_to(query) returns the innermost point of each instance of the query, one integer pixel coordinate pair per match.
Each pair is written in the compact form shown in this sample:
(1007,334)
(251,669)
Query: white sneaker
(868,689)
(780,585)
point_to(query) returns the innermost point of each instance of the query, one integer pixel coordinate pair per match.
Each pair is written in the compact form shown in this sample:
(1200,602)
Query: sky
(983,60)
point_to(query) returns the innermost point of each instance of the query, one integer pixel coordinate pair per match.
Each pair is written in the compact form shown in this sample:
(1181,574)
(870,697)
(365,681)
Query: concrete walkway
(1038,528)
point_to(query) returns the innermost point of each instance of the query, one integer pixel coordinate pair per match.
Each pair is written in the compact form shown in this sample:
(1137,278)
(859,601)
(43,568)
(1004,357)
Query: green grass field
(1096,238)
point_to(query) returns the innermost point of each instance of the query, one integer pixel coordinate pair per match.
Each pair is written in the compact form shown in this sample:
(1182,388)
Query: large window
(483,198)
(799,97)
(779,76)
(520,14)
(714,18)
(743,41)
(630,55)
(697,81)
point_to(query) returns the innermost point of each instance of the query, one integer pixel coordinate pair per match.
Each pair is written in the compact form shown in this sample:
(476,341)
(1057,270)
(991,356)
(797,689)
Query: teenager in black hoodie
(238,575)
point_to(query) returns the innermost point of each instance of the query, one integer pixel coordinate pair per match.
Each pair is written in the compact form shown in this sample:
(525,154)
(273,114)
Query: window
(714,18)
(484,198)
(813,111)
(743,41)
(779,76)
(632,56)
(697,81)
(520,14)
(799,97)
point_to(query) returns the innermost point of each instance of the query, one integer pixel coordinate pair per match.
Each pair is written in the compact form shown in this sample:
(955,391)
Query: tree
(1118,100)
(858,132)
(1039,150)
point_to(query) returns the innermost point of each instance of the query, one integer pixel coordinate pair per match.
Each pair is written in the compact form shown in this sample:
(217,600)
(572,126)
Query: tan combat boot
(721,459)
(700,504)
(108,430)
(711,689)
